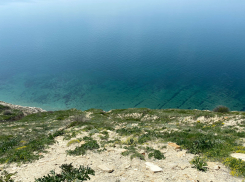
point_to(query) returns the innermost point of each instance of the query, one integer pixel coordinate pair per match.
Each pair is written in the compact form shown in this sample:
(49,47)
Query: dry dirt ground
(175,167)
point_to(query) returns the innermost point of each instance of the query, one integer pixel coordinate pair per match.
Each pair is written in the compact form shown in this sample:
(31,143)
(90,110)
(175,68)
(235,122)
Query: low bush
(89,145)
(156,154)
(7,112)
(78,120)
(237,166)
(221,109)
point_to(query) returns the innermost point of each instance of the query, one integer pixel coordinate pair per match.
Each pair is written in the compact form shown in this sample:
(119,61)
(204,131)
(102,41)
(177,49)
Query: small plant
(156,154)
(68,174)
(89,145)
(7,177)
(106,135)
(221,109)
(132,150)
(137,154)
(199,163)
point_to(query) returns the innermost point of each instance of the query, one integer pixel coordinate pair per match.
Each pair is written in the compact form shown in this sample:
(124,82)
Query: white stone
(154,168)
(238,156)
(106,168)
(127,166)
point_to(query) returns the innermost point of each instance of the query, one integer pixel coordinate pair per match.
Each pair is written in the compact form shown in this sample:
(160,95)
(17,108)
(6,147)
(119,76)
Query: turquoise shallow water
(119,54)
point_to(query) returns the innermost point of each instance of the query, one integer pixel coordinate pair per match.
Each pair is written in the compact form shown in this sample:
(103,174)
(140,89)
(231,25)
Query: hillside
(122,144)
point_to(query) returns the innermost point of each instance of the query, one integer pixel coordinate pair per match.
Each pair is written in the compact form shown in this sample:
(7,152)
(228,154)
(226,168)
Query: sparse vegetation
(134,154)
(133,129)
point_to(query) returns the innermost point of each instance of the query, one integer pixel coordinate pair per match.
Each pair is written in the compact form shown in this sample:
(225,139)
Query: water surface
(59,54)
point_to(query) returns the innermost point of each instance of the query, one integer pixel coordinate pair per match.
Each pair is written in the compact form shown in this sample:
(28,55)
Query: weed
(199,163)
(68,174)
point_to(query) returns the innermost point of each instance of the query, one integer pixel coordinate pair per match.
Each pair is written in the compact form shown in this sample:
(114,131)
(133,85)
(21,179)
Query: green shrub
(199,163)
(237,166)
(56,133)
(135,155)
(222,109)
(156,154)
(68,174)
(89,145)
(132,150)
(129,131)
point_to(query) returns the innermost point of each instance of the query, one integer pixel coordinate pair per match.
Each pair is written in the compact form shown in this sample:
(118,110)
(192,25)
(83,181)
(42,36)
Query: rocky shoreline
(26,110)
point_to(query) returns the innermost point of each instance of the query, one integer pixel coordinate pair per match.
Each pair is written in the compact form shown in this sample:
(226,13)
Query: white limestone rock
(154,168)
(106,168)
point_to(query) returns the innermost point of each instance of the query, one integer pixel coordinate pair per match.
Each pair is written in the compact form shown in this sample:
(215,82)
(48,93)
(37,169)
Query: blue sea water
(109,54)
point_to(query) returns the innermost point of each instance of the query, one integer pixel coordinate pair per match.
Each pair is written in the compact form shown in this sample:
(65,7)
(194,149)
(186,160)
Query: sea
(116,54)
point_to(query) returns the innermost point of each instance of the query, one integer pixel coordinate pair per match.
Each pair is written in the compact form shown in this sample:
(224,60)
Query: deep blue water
(108,54)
